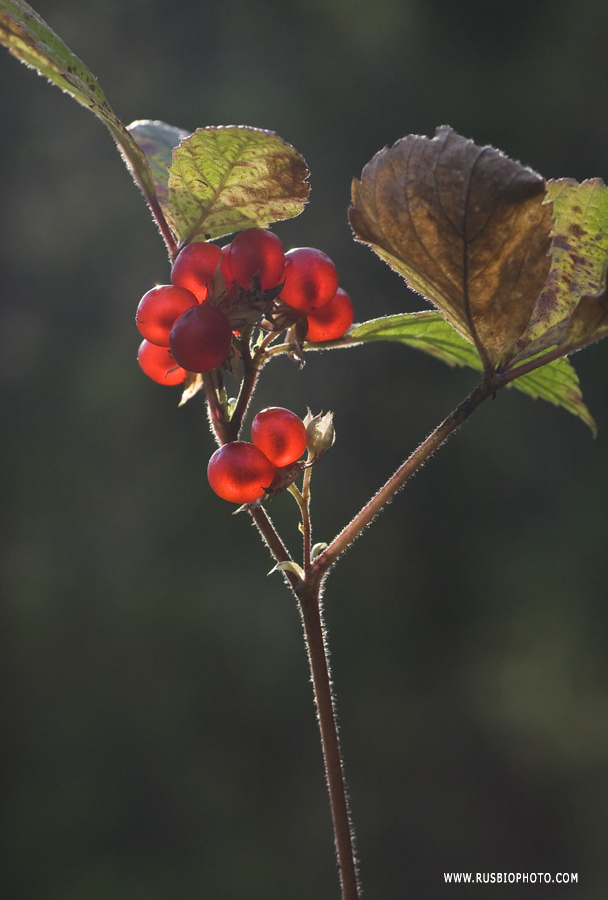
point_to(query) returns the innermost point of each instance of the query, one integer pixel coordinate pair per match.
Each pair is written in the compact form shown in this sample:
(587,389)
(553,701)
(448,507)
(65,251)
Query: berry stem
(303,504)
(411,465)
(306,523)
(217,417)
(274,543)
(251,370)
(314,631)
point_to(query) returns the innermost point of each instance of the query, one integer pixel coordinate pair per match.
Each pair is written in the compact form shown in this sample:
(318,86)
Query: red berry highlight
(201,338)
(225,266)
(333,319)
(311,279)
(256,250)
(279,434)
(159,365)
(158,310)
(239,472)
(195,266)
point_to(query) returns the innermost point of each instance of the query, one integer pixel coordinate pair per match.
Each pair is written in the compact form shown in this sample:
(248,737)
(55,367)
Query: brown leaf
(467,228)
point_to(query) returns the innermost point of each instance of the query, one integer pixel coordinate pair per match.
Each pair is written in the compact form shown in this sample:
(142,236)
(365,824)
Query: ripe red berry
(158,310)
(159,365)
(194,267)
(279,434)
(311,279)
(225,266)
(239,472)
(333,319)
(201,338)
(256,250)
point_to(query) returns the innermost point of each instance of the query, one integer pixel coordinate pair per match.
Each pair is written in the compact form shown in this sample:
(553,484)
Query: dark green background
(158,728)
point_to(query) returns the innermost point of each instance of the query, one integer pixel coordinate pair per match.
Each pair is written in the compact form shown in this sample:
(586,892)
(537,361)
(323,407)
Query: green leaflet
(216,181)
(556,382)
(427,331)
(31,40)
(225,179)
(157,140)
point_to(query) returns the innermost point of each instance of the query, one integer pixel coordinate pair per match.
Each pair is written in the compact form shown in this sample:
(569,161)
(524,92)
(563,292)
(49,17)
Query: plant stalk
(217,418)
(314,631)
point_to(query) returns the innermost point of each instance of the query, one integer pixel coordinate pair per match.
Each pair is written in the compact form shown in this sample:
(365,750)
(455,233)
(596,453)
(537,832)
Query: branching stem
(308,589)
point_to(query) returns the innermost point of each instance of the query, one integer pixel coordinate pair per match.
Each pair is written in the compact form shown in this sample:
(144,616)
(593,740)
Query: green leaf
(28,37)
(555,382)
(427,331)
(225,179)
(157,140)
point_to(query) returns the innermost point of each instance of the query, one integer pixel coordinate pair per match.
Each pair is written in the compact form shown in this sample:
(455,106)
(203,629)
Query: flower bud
(320,431)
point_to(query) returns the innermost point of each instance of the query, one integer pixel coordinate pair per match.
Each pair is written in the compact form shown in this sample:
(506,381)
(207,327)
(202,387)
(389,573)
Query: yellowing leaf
(579,249)
(588,323)
(465,226)
(229,178)
(28,37)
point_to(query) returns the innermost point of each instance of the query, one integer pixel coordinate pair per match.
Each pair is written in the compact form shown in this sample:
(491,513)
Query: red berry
(225,266)
(333,319)
(279,434)
(239,472)
(256,250)
(159,365)
(195,266)
(201,338)
(311,279)
(158,310)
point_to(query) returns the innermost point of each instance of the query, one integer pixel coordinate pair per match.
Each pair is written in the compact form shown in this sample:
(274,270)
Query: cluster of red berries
(243,472)
(188,326)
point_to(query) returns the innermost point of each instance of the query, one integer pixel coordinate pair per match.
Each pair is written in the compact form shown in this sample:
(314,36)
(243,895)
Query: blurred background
(159,735)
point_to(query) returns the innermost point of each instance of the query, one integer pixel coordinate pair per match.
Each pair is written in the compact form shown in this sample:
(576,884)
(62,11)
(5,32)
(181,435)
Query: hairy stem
(250,376)
(163,226)
(274,543)
(314,631)
(306,523)
(487,388)
(217,417)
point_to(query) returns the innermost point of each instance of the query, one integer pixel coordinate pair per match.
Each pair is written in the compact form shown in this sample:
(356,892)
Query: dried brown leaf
(467,228)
